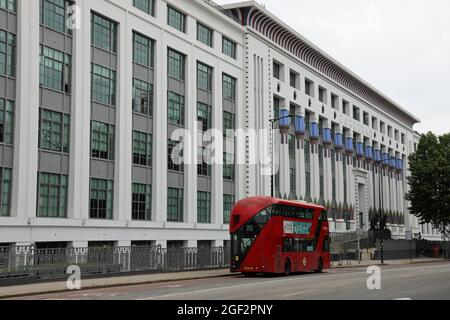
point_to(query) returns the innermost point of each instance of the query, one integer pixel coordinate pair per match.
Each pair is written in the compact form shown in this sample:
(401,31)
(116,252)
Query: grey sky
(402,47)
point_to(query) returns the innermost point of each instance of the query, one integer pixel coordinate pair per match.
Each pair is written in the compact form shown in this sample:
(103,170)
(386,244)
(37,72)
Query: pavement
(175,280)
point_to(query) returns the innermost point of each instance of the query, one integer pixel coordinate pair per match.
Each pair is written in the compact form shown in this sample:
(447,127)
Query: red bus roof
(249,207)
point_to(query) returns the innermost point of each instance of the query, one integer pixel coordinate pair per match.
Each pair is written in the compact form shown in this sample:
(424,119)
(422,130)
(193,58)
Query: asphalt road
(416,282)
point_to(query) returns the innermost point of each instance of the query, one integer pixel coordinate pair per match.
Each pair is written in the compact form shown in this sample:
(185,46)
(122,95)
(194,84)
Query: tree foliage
(429,181)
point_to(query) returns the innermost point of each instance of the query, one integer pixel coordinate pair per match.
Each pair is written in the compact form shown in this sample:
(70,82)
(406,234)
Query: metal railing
(30,263)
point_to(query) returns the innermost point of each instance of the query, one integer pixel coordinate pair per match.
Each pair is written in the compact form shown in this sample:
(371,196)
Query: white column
(315,182)
(327,173)
(26,112)
(300,168)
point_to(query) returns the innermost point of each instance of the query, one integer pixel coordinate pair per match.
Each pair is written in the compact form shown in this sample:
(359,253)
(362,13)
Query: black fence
(29,263)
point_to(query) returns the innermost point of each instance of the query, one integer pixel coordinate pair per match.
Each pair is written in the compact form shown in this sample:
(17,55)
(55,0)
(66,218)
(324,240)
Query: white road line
(403,299)
(298,293)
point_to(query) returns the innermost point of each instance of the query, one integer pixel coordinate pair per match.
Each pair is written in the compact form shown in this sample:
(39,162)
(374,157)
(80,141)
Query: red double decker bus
(277,236)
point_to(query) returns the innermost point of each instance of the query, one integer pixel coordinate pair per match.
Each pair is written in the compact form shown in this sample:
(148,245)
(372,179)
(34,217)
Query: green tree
(429,181)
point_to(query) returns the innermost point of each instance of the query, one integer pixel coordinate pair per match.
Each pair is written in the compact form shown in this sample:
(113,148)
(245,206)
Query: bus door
(278,262)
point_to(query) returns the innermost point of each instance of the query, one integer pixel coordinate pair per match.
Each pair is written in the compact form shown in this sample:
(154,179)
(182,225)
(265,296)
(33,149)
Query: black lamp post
(273,121)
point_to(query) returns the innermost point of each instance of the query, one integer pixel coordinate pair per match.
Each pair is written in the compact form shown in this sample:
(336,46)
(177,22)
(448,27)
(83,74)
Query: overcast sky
(401,47)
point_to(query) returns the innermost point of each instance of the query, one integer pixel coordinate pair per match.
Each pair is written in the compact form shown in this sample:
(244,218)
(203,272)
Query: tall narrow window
(142,97)
(291,146)
(54,131)
(203,168)
(174,153)
(104,33)
(204,115)
(229,47)
(7,54)
(54,14)
(10,5)
(101,199)
(276,70)
(203,207)
(309,87)
(142,148)
(204,34)
(5,192)
(144,5)
(176,19)
(228,166)
(6,121)
(204,77)
(175,65)
(293,183)
(54,69)
(142,202)
(228,123)
(102,140)
(143,50)
(103,85)
(228,203)
(229,87)
(175,109)
(323,95)
(52,191)
(174,205)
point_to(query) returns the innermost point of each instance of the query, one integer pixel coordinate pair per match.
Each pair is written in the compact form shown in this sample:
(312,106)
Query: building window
(291,146)
(102,141)
(176,19)
(54,69)
(52,191)
(228,166)
(174,205)
(366,118)
(141,202)
(175,109)
(142,97)
(143,50)
(309,88)
(356,114)
(175,153)
(101,199)
(104,33)
(142,149)
(228,87)
(54,133)
(204,34)
(334,101)
(6,121)
(204,115)
(345,107)
(276,70)
(5,192)
(10,5)
(293,79)
(276,107)
(323,95)
(293,183)
(204,77)
(175,65)
(103,85)
(203,207)
(228,203)
(203,168)
(7,54)
(145,5)
(229,47)
(54,14)
(228,123)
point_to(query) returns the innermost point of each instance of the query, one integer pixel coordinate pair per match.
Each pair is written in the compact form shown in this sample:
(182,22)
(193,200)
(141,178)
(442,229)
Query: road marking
(406,299)
(298,293)
(172,287)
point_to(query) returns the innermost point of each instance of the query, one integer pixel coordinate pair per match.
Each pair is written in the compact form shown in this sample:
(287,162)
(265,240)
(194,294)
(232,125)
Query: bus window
(327,244)
(323,216)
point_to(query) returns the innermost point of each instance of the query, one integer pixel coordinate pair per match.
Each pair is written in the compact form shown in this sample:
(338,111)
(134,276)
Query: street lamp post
(273,121)
(380,216)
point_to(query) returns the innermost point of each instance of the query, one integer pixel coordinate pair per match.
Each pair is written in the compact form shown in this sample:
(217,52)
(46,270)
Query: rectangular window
(228,166)
(334,101)
(356,114)
(228,87)
(7,54)
(52,191)
(204,77)
(309,88)
(142,149)
(203,207)
(291,146)
(54,131)
(5,192)
(174,153)
(345,107)
(228,203)
(103,85)
(102,141)
(276,70)
(366,118)
(293,183)
(229,47)
(10,5)
(229,122)
(174,205)
(203,169)
(142,97)
(141,208)
(293,79)
(101,199)
(175,109)
(276,107)
(176,19)
(204,115)
(54,69)
(204,34)
(6,121)
(54,14)
(143,49)
(104,33)
(175,65)
(144,5)
(323,95)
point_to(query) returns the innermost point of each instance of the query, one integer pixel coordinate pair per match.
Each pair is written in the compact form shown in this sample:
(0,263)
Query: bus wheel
(319,266)
(287,268)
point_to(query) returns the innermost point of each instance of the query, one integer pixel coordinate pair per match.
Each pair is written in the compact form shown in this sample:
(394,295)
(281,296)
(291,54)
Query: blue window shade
(338,140)
(314,130)
(378,155)
(359,149)
(369,153)
(393,163)
(284,121)
(300,125)
(399,164)
(327,135)
(385,159)
(349,144)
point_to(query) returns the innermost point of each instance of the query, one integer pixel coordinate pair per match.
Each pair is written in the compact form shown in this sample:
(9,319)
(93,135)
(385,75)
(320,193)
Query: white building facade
(89,114)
